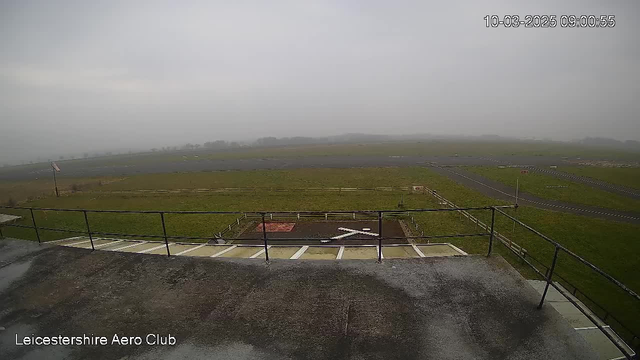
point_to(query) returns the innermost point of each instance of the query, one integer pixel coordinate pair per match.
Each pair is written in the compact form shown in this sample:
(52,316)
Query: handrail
(257,212)
(571,253)
(379,214)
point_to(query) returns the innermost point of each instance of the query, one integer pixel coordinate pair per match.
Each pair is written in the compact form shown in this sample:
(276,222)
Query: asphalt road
(614,188)
(85,168)
(501,191)
(469,307)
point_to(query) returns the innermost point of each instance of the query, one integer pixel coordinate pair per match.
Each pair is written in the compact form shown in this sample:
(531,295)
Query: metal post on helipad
(379,236)
(86,221)
(35,227)
(550,276)
(164,232)
(264,238)
(493,221)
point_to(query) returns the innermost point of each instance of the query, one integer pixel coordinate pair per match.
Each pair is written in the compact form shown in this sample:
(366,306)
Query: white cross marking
(350,232)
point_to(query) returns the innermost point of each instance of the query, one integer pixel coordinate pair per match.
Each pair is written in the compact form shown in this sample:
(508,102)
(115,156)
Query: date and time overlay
(550,21)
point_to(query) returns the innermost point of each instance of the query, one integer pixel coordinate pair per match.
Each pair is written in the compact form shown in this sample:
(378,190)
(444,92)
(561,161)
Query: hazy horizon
(96,76)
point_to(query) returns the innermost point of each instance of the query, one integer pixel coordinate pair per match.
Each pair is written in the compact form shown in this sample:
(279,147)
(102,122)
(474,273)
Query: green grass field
(539,185)
(605,243)
(399,148)
(629,177)
(19,191)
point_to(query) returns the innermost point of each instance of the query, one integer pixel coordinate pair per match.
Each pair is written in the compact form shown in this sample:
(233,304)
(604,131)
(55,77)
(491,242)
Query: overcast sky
(91,75)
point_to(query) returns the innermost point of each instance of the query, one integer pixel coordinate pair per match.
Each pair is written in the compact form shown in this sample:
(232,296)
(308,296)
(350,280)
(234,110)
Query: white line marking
(299,253)
(259,253)
(357,231)
(109,243)
(224,251)
(189,250)
(78,243)
(128,246)
(590,327)
(340,252)
(59,240)
(151,249)
(416,249)
(457,249)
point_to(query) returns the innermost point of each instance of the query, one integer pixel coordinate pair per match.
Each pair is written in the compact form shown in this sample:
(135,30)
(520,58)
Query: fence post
(33,219)
(493,221)
(86,221)
(1,236)
(379,236)
(264,238)
(549,277)
(164,232)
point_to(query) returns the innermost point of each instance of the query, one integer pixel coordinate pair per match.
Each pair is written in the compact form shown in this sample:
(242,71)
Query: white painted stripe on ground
(259,253)
(107,244)
(128,246)
(340,252)
(299,253)
(358,231)
(590,327)
(224,251)
(78,243)
(457,249)
(189,250)
(65,239)
(416,249)
(151,249)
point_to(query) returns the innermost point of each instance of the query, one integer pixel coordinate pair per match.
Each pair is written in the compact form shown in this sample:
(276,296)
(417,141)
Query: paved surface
(327,230)
(501,191)
(581,323)
(428,308)
(86,168)
(602,185)
(313,251)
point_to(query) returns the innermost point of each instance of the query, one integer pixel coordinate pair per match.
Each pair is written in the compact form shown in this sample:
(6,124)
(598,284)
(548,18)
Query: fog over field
(80,76)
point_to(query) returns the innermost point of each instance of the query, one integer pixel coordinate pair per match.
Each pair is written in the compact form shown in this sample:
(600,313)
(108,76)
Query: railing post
(549,277)
(86,221)
(493,221)
(33,219)
(379,236)
(164,232)
(1,235)
(264,238)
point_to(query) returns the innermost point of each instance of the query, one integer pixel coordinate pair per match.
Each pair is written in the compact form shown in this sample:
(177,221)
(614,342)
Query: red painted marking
(277,227)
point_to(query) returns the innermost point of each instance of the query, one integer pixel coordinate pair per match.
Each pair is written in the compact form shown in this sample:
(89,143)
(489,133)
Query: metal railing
(262,215)
(371,214)
(520,252)
(548,277)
